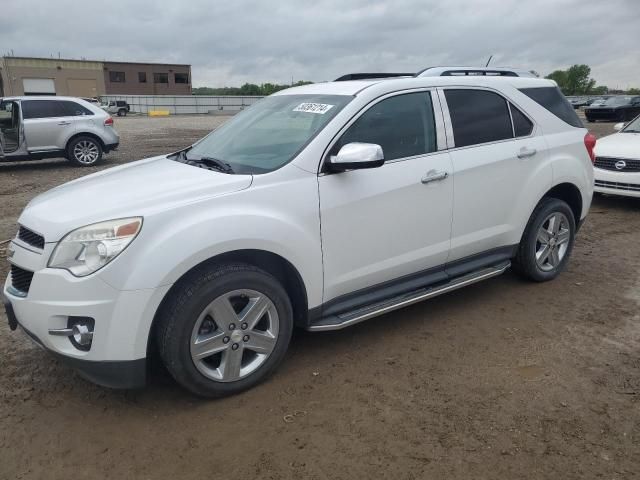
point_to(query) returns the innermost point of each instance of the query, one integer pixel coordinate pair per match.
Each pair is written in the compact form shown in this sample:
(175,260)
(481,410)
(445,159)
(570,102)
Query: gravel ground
(505,379)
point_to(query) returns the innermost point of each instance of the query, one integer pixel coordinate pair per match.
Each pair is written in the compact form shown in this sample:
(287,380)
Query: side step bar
(347,319)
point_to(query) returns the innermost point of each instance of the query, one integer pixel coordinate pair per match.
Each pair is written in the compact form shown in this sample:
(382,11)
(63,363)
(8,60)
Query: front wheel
(225,329)
(84,151)
(547,241)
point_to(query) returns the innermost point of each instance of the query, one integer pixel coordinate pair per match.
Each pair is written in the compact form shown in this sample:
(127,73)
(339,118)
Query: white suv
(320,207)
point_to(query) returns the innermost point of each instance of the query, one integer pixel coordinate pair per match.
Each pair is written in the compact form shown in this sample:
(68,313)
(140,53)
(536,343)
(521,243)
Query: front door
(384,223)
(47,125)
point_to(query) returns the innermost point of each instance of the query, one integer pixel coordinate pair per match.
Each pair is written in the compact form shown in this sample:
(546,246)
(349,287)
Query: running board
(343,320)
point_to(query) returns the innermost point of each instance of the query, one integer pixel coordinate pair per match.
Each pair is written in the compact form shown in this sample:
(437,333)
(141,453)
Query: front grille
(632,187)
(32,238)
(21,279)
(608,163)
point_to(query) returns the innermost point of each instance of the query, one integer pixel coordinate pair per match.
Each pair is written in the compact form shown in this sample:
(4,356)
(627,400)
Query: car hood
(136,189)
(619,145)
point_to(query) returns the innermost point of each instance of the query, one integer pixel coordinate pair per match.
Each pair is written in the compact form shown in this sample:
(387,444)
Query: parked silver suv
(49,127)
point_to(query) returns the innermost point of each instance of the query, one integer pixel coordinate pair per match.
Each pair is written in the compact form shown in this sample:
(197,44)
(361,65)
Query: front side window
(117,77)
(32,109)
(478,116)
(403,126)
(160,78)
(269,134)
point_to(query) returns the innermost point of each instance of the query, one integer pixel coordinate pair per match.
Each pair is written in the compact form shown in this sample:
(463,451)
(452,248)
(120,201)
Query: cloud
(234,42)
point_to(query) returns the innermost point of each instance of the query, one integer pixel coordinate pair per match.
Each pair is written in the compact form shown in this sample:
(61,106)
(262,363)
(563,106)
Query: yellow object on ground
(159,113)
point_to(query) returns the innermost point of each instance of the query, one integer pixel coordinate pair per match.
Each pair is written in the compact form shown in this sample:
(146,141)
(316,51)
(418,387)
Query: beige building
(88,78)
(49,76)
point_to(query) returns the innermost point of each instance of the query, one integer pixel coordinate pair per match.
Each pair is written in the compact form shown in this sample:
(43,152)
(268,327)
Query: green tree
(634,91)
(575,80)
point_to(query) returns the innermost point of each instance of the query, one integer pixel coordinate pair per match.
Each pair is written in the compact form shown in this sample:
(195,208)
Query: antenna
(489,61)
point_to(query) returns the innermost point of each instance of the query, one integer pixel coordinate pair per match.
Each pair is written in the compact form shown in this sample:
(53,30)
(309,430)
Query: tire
(122,112)
(529,260)
(590,120)
(84,151)
(206,346)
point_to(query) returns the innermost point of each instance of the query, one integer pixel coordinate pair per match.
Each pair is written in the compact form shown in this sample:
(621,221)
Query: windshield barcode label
(320,108)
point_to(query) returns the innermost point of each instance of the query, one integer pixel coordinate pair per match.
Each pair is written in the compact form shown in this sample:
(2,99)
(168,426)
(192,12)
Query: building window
(160,78)
(116,77)
(182,77)
(142,77)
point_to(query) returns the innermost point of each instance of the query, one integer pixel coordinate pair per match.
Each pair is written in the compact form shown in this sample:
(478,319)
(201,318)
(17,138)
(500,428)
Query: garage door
(38,86)
(82,87)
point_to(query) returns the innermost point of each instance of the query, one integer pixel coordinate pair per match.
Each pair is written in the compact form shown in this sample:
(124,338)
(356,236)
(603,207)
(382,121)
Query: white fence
(185,104)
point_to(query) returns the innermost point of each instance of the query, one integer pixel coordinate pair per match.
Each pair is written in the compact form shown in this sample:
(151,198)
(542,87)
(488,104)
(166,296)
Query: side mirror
(618,126)
(353,156)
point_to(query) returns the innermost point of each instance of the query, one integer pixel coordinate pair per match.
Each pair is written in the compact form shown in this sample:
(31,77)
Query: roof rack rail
(473,71)
(367,76)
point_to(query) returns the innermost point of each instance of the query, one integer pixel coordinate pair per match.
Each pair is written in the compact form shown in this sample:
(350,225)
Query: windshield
(633,126)
(617,101)
(268,135)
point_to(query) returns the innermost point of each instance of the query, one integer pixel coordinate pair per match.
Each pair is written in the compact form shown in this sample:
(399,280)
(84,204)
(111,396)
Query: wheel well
(85,134)
(271,263)
(569,193)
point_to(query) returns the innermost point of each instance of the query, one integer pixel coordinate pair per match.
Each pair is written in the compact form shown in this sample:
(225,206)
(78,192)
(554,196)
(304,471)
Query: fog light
(79,330)
(82,335)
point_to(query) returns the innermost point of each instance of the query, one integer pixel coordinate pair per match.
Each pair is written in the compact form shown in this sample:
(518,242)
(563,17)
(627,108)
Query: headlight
(88,249)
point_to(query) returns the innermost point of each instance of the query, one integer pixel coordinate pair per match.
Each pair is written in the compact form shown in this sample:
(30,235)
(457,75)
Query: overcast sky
(236,41)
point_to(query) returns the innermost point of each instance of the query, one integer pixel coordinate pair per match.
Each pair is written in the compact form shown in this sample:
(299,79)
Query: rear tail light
(590,143)
(109,122)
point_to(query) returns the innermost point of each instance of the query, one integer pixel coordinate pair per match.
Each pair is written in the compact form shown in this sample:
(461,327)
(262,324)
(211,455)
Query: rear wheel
(84,151)
(547,241)
(225,329)
(122,112)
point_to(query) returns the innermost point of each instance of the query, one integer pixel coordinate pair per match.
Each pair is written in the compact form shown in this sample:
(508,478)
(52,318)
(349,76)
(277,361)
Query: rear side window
(73,109)
(522,126)
(42,109)
(478,117)
(552,99)
(403,126)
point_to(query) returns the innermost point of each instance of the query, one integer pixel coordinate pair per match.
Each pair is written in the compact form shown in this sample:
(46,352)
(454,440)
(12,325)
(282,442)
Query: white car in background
(617,164)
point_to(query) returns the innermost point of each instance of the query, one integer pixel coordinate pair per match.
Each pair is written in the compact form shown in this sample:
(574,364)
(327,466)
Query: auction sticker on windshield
(320,108)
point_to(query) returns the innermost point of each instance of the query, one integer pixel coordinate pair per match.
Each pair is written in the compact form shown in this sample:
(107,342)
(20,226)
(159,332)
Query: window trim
(438,120)
(449,124)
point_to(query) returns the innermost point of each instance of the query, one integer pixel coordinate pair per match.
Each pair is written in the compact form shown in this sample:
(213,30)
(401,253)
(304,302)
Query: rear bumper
(125,374)
(110,147)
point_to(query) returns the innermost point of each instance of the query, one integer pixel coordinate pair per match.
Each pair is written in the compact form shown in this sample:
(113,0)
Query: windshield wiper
(209,163)
(215,164)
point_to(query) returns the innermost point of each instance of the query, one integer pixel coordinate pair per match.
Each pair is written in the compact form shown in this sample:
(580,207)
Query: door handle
(526,152)
(64,123)
(433,176)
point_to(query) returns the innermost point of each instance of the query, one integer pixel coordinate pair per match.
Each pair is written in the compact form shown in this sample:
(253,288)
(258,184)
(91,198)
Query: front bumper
(119,374)
(625,184)
(122,318)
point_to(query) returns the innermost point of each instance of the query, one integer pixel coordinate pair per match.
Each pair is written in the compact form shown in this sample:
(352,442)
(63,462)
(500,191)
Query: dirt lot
(505,379)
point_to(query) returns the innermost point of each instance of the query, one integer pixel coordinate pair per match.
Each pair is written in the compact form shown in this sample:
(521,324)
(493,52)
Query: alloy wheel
(234,335)
(86,152)
(552,241)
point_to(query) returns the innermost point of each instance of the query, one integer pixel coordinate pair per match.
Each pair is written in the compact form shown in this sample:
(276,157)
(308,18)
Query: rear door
(47,125)
(492,170)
